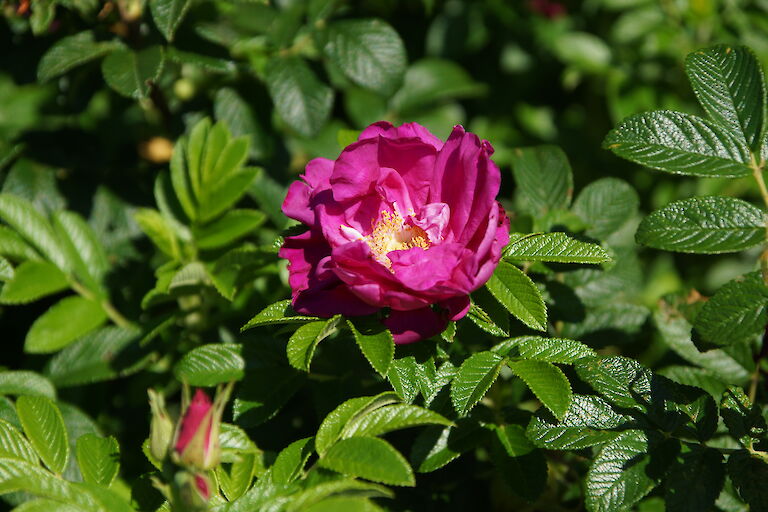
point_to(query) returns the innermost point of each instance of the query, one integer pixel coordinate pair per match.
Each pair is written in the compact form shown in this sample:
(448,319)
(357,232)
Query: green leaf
(333,425)
(674,406)
(744,420)
(375,342)
(159,230)
(437,446)
(606,205)
(22,216)
(180,179)
(589,421)
(88,257)
(46,505)
(303,342)
(238,479)
(202,137)
(695,481)
(230,107)
(62,324)
(582,50)
(696,377)
(484,321)
(207,63)
(553,350)
(269,194)
(328,496)
(547,382)
(345,503)
(729,83)
(392,417)
(42,16)
(611,316)
(14,247)
(473,380)
(277,313)
(409,376)
(370,458)
(17,475)
(681,144)
(518,463)
(226,193)
(99,355)
(44,427)
(264,391)
(211,364)
(516,292)
(234,225)
(106,499)
(98,458)
(433,81)
(191,275)
(736,312)
(369,52)
(290,461)
(543,177)
(70,52)
(555,248)
(749,474)
(6,270)
(168,15)
(300,99)
(23,382)
(133,73)
(221,162)
(31,281)
(13,445)
(618,477)
(234,442)
(675,332)
(621,380)
(703,225)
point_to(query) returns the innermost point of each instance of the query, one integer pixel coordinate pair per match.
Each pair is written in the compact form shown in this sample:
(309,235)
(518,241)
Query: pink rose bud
(203,487)
(197,441)
(191,492)
(401,224)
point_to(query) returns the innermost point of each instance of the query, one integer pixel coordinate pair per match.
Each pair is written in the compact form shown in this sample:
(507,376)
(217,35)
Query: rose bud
(197,438)
(192,492)
(401,224)
(160,427)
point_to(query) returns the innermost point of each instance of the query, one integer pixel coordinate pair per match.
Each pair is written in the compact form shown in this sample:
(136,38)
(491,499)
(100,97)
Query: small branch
(113,314)
(754,379)
(757,173)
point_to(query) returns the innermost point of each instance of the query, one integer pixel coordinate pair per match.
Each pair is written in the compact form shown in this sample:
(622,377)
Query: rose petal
(356,170)
(411,130)
(467,180)
(420,270)
(433,218)
(410,326)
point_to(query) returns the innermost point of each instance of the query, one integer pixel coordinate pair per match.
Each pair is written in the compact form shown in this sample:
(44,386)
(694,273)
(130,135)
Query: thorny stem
(757,173)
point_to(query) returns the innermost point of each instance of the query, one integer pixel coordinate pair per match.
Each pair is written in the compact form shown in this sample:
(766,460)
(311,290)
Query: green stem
(757,173)
(113,314)
(753,382)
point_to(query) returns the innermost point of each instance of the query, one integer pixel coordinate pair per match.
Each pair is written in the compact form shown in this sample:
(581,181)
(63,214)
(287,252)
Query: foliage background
(515,73)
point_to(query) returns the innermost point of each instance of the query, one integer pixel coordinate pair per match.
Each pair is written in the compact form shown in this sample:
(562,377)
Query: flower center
(390,233)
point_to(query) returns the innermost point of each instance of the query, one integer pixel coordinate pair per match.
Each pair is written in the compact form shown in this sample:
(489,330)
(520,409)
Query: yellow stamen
(391,233)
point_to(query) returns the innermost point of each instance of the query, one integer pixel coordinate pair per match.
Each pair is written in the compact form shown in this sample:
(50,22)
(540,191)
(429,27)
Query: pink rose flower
(400,220)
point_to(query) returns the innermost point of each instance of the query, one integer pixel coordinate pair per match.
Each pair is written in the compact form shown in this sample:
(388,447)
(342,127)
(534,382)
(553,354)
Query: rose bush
(400,224)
